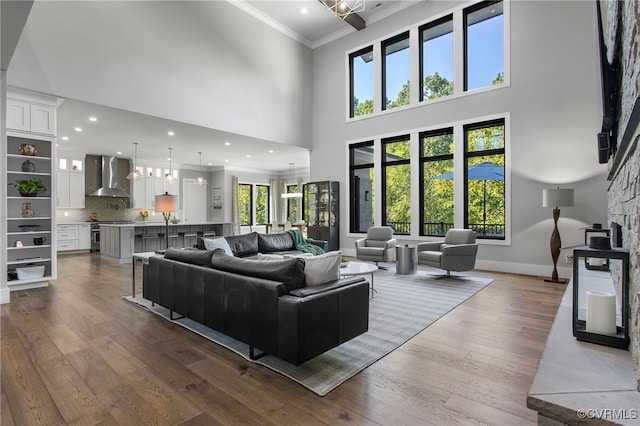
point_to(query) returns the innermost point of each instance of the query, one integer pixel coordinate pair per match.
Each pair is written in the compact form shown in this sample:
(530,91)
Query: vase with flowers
(144,214)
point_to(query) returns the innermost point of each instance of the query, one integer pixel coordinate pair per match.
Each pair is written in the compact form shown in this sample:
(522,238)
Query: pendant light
(298,193)
(169,178)
(135,174)
(200,180)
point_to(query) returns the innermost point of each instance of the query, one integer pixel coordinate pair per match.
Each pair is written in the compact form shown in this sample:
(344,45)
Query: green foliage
(244,201)
(499,79)
(29,186)
(363,108)
(436,86)
(398,183)
(403,97)
(262,204)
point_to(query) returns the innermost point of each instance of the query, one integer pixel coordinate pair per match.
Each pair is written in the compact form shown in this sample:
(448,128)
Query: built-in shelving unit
(30,220)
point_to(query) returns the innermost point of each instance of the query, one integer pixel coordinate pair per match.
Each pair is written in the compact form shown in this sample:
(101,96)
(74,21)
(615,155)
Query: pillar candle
(601,312)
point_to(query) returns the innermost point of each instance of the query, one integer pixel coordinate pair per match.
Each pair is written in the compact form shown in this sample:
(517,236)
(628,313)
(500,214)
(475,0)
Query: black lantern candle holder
(619,339)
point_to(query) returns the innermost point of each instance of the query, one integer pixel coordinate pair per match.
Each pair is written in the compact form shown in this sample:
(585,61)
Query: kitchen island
(119,241)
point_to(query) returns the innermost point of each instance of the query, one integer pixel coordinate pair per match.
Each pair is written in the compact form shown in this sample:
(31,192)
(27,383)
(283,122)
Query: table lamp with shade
(555,198)
(166,204)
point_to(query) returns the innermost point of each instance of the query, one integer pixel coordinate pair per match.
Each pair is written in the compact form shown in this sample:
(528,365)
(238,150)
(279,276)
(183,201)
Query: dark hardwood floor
(77,353)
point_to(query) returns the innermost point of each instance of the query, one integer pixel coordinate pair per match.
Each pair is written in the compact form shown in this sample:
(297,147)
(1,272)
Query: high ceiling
(115,130)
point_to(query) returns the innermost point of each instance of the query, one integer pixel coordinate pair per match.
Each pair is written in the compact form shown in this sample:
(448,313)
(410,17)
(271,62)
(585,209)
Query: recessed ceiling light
(93,119)
(119,152)
(270,151)
(227,143)
(226,160)
(304,10)
(57,144)
(170,133)
(248,155)
(209,164)
(65,138)
(78,129)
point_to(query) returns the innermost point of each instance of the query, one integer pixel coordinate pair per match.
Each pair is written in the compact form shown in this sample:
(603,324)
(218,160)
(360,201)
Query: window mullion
(377,78)
(414,66)
(458,170)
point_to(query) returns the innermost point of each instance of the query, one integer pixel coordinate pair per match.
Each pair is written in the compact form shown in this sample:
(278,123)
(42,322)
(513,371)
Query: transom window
(436,57)
(483,45)
(396,71)
(361,82)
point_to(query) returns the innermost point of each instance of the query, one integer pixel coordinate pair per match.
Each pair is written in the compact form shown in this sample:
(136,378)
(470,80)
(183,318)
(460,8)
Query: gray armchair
(378,246)
(456,253)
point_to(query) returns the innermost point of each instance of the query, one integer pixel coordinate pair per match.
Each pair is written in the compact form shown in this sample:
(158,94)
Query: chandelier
(201,180)
(298,193)
(344,8)
(169,178)
(135,174)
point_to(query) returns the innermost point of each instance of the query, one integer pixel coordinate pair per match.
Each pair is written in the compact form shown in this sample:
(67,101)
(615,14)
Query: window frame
(421,30)
(354,209)
(383,174)
(352,55)
(268,204)
(495,151)
(240,185)
(465,63)
(383,45)
(422,161)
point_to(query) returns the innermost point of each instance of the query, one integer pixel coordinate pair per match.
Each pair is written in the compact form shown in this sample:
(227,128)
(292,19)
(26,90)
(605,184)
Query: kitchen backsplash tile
(106,209)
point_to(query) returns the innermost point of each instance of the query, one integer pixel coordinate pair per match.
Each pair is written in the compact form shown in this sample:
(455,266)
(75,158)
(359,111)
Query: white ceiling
(116,130)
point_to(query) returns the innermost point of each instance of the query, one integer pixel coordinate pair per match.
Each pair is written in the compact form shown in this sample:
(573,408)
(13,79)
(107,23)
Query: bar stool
(149,242)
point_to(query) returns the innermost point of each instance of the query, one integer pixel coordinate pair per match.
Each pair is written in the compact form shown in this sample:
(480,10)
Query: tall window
(436,58)
(262,204)
(396,184)
(245,195)
(436,182)
(361,82)
(484,45)
(485,179)
(395,71)
(361,186)
(292,205)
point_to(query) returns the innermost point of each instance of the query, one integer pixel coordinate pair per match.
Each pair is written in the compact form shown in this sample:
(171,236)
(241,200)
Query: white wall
(555,112)
(206,63)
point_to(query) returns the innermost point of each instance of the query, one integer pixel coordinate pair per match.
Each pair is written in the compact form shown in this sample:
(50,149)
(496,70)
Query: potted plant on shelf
(29,187)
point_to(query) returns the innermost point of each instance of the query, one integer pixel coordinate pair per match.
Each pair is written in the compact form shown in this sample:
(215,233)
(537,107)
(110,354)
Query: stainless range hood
(108,181)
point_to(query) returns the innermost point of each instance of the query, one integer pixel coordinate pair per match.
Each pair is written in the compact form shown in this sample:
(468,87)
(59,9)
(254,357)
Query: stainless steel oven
(95,237)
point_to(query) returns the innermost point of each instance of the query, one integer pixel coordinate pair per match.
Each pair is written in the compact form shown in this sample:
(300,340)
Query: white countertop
(155,223)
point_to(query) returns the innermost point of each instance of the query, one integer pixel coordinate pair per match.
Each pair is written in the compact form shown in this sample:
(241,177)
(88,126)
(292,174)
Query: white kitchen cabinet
(73,237)
(84,236)
(70,177)
(30,117)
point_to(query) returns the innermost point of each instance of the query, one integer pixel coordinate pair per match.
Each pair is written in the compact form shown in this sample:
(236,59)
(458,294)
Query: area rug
(403,306)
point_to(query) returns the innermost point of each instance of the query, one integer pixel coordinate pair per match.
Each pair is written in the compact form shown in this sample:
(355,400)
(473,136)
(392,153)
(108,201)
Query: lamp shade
(557,197)
(166,203)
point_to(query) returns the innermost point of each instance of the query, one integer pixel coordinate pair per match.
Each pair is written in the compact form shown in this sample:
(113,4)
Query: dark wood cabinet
(322,212)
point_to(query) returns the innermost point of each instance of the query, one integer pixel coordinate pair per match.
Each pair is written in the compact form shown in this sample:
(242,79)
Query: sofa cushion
(217,243)
(288,271)
(271,243)
(243,245)
(194,257)
(322,268)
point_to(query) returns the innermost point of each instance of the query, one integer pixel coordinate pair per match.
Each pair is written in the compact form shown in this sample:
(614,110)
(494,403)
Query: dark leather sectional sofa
(249,245)
(263,303)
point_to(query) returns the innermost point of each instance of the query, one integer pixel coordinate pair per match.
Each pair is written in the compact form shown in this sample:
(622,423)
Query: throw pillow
(322,268)
(217,243)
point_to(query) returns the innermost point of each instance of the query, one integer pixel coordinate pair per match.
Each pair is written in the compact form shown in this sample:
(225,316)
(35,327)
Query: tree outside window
(436,182)
(436,53)
(262,204)
(484,44)
(361,82)
(396,184)
(395,71)
(245,196)
(292,205)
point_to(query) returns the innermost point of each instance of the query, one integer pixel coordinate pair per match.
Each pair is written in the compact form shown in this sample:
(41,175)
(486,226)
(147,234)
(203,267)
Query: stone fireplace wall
(624,190)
